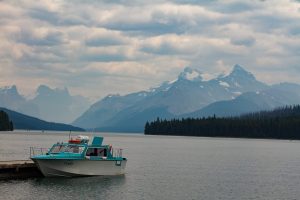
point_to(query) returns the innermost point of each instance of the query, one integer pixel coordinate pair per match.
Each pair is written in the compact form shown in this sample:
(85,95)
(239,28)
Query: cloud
(159,19)
(104,37)
(101,47)
(294,30)
(243,41)
(186,46)
(41,37)
(45,15)
(103,57)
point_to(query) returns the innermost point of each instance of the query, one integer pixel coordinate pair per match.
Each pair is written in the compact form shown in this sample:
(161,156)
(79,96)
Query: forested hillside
(281,123)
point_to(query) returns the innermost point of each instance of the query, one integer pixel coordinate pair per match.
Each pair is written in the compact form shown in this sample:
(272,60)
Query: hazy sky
(99,47)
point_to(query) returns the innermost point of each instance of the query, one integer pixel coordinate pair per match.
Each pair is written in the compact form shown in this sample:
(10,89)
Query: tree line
(281,123)
(5,123)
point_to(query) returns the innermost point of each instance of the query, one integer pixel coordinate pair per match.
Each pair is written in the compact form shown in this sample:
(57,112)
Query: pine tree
(5,123)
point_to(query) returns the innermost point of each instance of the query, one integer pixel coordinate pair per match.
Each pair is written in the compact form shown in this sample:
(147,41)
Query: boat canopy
(97,141)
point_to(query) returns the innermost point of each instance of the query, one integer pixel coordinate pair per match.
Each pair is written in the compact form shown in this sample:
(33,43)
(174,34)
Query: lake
(167,167)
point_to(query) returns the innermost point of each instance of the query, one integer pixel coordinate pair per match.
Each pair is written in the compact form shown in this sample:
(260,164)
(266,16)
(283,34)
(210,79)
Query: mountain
(278,95)
(21,121)
(188,93)
(240,80)
(11,99)
(102,111)
(135,122)
(49,104)
(58,105)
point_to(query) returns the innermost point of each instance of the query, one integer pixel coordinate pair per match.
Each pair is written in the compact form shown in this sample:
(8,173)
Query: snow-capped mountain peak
(190,91)
(10,89)
(239,71)
(190,75)
(45,90)
(112,95)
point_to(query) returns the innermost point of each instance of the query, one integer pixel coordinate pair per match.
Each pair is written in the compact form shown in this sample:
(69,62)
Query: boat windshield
(57,148)
(74,149)
(67,149)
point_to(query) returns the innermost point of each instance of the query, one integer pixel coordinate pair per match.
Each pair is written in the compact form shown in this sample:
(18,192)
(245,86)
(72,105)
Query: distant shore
(282,123)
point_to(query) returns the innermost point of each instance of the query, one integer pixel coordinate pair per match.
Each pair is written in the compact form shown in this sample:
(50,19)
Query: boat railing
(117,153)
(34,151)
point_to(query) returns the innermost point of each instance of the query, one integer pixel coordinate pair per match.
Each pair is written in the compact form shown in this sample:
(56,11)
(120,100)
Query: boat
(79,158)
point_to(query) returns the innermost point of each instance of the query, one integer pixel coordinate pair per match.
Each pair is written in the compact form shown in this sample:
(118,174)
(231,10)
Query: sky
(96,48)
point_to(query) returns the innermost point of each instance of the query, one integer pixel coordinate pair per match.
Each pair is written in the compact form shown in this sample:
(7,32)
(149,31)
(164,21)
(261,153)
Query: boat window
(102,152)
(57,149)
(74,149)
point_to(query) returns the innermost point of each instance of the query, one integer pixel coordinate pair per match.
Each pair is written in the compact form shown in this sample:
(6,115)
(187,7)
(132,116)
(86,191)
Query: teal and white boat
(79,158)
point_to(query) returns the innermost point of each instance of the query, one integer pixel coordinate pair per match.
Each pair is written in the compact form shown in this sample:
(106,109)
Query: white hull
(86,167)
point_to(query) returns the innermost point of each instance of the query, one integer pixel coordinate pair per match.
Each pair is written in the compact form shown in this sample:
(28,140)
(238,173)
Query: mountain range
(25,122)
(55,105)
(190,95)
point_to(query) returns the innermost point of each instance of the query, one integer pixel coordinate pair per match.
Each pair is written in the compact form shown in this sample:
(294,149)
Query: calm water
(162,167)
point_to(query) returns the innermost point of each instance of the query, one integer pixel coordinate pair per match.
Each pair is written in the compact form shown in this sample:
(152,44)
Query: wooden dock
(18,169)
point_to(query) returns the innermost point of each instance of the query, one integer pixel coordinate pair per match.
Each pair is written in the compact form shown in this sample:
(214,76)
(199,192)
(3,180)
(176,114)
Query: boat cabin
(80,148)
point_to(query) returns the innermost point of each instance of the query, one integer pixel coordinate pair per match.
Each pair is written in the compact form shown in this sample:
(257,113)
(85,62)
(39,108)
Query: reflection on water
(95,182)
(81,187)
(69,188)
